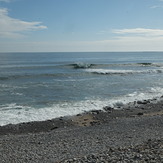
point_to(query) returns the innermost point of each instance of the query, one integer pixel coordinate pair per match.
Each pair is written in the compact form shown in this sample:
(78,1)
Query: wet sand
(79,136)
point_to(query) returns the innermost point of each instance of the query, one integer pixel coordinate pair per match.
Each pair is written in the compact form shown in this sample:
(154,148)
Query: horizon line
(79,51)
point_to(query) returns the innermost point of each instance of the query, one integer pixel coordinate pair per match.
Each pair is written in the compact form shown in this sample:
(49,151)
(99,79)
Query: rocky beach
(130,133)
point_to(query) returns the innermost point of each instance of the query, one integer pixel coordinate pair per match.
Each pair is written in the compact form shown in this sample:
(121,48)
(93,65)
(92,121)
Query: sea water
(42,86)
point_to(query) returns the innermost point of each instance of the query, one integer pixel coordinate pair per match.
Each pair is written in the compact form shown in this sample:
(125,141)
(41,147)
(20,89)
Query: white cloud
(123,40)
(140,32)
(156,6)
(14,28)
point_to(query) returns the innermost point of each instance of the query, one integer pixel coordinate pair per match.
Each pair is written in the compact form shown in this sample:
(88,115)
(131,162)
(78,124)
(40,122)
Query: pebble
(136,154)
(118,140)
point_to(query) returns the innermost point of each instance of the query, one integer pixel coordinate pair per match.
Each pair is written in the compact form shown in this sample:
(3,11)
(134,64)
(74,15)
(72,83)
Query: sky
(81,25)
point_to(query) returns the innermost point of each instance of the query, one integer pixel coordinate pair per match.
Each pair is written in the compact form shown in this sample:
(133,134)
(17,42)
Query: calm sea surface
(41,86)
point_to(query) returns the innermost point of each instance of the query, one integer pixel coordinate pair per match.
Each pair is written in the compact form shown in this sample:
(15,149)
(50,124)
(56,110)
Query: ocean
(42,86)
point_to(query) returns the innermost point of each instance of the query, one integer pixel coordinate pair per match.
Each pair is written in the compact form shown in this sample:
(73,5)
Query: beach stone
(150,151)
(54,128)
(96,111)
(123,139)
(140,113)
(94,123)
(142,102)
(108,108)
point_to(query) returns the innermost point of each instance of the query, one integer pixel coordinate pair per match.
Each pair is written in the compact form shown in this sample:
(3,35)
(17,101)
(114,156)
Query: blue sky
(81,25)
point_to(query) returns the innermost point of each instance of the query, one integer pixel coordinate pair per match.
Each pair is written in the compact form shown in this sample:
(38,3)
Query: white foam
(136,96)
(157,64)
(13,113)
(111,71)
(82,65)
(105,71)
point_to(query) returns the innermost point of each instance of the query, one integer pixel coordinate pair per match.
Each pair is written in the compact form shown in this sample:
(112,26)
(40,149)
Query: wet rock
(96,111)
(142,102)
(108,109)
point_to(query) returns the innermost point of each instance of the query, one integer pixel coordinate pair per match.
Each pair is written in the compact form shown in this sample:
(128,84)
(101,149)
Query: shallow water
(41,86)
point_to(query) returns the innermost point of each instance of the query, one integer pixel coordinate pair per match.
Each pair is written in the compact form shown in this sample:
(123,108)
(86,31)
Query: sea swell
(82,65)
(12,77)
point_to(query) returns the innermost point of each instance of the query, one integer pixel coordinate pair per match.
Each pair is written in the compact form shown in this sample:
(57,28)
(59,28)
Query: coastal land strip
(130,133)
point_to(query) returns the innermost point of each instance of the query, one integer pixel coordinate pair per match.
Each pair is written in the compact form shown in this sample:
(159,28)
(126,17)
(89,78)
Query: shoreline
(150,107)
(91,136)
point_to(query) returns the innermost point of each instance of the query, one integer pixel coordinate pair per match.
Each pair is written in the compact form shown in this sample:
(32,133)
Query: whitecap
(124,72)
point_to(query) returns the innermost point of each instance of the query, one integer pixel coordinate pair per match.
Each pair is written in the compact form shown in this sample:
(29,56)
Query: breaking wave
(82,65)
(122,72)
(150,64)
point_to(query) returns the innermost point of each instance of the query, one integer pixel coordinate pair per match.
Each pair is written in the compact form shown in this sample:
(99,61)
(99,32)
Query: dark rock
(140,113)
(142,102)
(94,123)
(96,111)
(108,108)
(54,128)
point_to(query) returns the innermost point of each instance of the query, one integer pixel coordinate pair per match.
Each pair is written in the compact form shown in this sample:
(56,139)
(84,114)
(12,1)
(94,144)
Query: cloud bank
(14,28)
(140,32)
(134,39)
